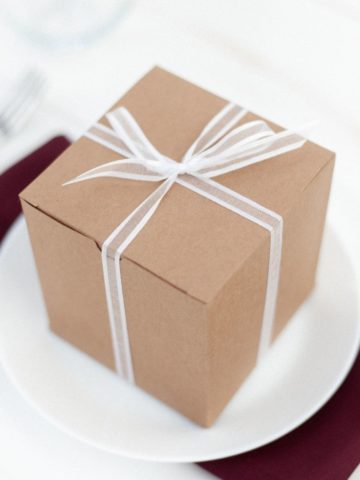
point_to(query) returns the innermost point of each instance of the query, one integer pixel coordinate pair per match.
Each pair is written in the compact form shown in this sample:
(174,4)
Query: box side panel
(70,271)
(167,328)
(303,230)
(235,319)
(235,316)
(168,337)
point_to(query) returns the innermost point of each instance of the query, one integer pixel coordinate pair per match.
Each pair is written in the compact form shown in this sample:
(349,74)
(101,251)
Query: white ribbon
(220,148)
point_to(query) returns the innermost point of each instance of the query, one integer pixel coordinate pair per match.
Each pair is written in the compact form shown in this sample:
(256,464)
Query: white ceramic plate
(303,369)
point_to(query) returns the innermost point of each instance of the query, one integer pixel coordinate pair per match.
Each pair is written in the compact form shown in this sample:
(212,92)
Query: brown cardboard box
(194,316)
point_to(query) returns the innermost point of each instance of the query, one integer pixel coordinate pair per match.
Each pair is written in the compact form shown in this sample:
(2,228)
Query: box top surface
(190,242)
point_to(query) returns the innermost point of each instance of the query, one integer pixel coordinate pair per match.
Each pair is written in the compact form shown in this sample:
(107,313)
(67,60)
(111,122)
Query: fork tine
(17,92)
(23,102)
(24,88)
(26,108)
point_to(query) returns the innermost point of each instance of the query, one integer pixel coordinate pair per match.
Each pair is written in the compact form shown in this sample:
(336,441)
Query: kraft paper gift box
(194,278)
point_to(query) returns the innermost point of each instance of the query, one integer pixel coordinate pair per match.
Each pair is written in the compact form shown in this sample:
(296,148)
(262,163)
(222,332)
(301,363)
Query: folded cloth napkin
(16,178)
(326,447)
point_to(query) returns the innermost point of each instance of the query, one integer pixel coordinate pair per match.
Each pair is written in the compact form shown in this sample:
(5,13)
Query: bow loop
(127,128)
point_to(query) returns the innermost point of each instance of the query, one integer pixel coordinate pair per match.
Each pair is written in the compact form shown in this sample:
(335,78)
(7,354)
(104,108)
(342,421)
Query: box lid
(190,242)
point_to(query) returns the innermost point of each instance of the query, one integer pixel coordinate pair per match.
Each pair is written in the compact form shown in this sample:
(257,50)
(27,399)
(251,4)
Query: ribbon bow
(220,148)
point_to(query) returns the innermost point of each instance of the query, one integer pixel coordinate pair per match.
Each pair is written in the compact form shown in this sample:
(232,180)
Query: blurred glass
(63,23)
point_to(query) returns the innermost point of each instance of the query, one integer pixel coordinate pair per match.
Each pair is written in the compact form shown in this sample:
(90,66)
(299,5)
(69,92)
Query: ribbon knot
(169,168)
(221,147)
(179,168)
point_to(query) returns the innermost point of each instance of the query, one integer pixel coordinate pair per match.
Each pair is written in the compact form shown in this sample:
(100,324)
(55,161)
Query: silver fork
(22,102)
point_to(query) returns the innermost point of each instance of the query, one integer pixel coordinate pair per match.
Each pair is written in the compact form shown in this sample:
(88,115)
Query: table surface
(293,62)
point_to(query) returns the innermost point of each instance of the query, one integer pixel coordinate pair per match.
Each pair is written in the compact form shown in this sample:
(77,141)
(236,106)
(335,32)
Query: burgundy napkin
(326,447)
(16,178)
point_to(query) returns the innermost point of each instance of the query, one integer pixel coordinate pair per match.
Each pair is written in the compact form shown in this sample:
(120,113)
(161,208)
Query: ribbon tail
(264,149)
(267,219)
(236,141)
(122,169)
